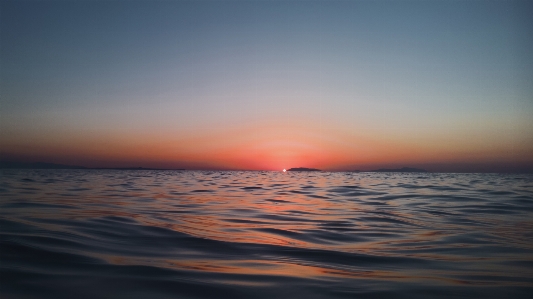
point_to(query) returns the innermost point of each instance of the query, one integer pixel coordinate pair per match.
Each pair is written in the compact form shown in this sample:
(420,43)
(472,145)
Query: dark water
(166,234)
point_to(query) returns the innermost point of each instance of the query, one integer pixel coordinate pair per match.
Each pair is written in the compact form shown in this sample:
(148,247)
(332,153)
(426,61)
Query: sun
(284,170)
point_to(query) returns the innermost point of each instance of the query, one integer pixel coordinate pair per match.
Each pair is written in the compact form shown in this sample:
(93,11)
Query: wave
(193,234)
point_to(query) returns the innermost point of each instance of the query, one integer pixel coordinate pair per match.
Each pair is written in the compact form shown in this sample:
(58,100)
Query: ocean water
(201,234)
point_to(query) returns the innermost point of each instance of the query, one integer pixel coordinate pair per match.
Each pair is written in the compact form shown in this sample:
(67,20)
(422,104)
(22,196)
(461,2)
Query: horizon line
(51,166)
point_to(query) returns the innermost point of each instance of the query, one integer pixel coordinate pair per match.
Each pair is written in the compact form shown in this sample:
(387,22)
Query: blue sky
(448,79)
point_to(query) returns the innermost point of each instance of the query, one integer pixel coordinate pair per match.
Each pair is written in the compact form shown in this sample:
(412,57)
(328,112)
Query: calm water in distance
(200,234)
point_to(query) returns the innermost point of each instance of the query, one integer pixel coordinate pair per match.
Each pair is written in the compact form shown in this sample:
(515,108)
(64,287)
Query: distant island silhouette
(303,169)
(403,169)
(18,164)
(43,165)
(37,165)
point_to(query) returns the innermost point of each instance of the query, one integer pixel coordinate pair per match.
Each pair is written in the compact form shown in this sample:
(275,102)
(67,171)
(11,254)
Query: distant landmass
(303,169)
(43,165)
(404,169)
(37,165)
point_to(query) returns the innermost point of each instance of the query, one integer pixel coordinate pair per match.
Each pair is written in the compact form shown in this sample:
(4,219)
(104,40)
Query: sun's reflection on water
(247,228)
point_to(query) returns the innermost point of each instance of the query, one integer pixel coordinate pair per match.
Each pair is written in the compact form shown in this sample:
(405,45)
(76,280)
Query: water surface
(200,234)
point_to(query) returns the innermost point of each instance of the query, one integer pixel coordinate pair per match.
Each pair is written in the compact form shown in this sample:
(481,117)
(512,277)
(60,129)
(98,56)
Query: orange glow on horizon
(261,146)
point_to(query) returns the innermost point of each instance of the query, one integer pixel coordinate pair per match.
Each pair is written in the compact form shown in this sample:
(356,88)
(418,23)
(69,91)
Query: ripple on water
(194,234)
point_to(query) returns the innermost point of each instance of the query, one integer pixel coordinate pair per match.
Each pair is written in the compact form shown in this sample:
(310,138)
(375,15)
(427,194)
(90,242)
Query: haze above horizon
(268,85)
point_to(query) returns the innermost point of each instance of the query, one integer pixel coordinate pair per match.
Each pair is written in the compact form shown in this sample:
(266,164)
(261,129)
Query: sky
(267,85)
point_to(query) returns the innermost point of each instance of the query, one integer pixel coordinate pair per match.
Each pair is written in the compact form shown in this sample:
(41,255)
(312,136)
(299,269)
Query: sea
(253,234)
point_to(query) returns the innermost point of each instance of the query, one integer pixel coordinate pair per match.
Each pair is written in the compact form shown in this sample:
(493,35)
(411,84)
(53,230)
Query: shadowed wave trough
(194,234)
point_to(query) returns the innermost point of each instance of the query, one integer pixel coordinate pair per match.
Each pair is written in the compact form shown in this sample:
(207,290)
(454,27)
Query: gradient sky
(337,85)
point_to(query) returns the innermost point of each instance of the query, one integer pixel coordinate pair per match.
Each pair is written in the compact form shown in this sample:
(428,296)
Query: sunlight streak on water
(91,233)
